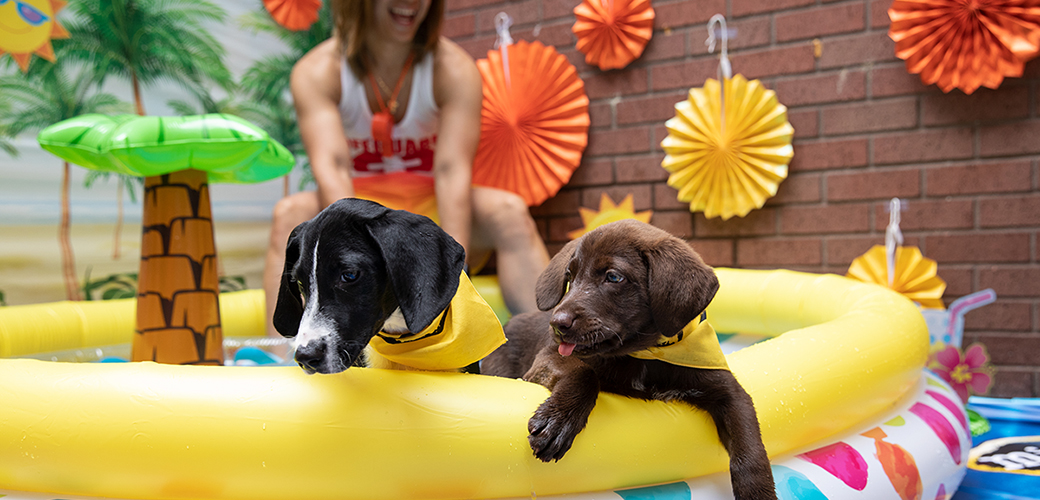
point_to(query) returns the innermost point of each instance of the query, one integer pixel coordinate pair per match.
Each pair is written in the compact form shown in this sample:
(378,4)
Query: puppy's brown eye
(614,277)
(349,276)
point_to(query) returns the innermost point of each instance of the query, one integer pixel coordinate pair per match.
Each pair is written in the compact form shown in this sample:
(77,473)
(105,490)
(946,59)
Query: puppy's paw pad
(552,434)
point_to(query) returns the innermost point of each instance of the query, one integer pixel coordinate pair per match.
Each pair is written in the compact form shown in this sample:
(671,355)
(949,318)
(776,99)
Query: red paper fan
(296,15)
(965,44)
(613,33)
(534,124)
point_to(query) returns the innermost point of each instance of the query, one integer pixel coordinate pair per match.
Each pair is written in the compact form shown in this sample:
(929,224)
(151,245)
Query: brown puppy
(621,296)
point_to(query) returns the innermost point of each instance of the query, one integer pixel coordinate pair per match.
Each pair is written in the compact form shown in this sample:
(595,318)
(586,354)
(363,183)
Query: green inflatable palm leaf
(228,148)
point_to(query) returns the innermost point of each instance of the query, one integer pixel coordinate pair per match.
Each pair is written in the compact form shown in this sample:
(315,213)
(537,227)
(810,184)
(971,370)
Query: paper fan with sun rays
(27,27)
(608,212)
(613,33)
(296,15)
(915,275)
(965,44)
(534,123)
(726,165)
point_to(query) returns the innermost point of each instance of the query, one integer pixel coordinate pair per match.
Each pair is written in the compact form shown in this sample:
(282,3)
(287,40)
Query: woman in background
(386,71)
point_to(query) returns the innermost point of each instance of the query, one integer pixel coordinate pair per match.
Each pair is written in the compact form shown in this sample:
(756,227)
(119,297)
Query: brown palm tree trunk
(178,314)
(68,260)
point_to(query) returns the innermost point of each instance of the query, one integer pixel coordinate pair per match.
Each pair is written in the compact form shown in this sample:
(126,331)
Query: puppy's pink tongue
(566,348)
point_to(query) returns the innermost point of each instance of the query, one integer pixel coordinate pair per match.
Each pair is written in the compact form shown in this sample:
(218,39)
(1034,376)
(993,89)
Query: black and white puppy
(358,268)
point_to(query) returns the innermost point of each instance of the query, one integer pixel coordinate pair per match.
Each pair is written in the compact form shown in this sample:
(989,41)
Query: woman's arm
(315,85)
(457,90)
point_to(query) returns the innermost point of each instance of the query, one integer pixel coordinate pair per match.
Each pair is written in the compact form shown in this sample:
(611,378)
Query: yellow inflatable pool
(845,354)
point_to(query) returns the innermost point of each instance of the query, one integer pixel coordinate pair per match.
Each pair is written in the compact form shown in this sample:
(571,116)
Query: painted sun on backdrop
(613,33)
(27,27)
(608,212)
(965,44)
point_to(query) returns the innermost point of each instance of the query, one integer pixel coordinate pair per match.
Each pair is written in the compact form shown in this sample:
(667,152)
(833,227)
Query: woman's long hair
(355,17)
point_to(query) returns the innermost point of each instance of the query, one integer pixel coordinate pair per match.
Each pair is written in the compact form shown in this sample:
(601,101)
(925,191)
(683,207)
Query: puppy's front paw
(552,431)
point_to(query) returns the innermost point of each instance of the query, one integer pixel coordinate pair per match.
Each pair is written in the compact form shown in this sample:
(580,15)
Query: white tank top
(414,137)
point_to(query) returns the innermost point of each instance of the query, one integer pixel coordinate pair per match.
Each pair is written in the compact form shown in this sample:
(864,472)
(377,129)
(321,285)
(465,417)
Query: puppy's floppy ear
(288,309)
(422,261)
(552,283)
(681,285)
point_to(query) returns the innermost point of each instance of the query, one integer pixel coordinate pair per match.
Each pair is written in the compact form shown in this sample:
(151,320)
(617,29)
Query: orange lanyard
(383,121)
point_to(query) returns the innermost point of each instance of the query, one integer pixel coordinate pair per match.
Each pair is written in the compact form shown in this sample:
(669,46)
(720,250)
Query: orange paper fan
(296,15)
(613,33)
(965,44)
(534,124)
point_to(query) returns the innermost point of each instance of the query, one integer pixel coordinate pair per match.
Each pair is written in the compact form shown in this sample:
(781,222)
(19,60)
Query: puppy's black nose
(310,357)
(562,320)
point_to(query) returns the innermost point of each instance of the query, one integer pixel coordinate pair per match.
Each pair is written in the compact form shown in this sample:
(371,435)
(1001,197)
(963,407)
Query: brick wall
(865,131)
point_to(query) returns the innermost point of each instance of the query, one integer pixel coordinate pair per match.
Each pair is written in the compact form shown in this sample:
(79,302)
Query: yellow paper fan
(726,167)
(608,212)
(915,275)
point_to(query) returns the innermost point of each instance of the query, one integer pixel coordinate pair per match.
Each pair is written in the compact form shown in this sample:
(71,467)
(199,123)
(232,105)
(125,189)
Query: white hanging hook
(893,238)
(502,24)
(724,67)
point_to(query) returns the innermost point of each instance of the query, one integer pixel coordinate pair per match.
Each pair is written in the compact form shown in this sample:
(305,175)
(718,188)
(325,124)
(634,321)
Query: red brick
(749,32)
(1010,139)
(979,178)
(820,155)
(746,7)
(816,89)
(797,188)
(601,115)
(810,23)
(616,83)
(985,248)
(929,215)
(566,202)
(666,198)
(778,252)
(641,196)
(458,26)
(756,223)
(922,146)
(626,140)
(1006,103)
(774,62)
(842,250)
(560,226)
(664,46)
(854,50)
(1002,315)
(677,222)
(556,35)
(715,252)
(453,5)
(1011,281)
(816,219)
(1010,211)
(641,169)
(1013,383)
(559,8)
(806,122)
(958,281)
(879,13)
(683,75)
(892,79)
(874,116)
(477,48)
(673,15)
(872,185)
(523,12)
(1011,349)
(656,108)
(593,173)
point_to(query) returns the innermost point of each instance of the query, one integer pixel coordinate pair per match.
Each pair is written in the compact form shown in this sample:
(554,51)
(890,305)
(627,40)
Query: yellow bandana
(463,334)
(696,346)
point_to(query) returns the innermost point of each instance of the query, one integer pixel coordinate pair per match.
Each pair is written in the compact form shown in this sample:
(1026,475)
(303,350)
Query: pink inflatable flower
(968,372)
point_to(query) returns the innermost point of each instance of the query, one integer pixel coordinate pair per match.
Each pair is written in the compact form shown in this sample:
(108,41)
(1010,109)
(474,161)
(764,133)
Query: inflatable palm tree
(178,316)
